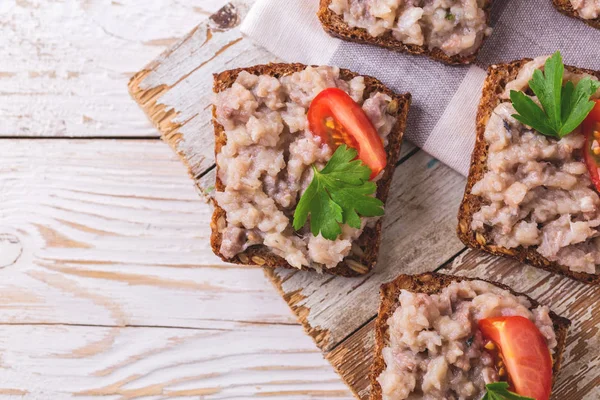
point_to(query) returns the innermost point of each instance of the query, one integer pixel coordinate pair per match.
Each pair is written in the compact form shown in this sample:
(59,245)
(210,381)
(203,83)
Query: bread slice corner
(566,8)
(431,283)
(497,78)
(353,264)
(335,25)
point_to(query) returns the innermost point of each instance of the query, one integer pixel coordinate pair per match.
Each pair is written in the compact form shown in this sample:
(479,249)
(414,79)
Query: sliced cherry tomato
(594,115)
(525,352)
(591,130)
(335,117)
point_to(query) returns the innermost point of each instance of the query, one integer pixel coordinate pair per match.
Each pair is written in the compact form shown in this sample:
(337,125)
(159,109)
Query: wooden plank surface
(108,287)
(115,228)
(419,233)
(65,64)
(82,362)
(175,90)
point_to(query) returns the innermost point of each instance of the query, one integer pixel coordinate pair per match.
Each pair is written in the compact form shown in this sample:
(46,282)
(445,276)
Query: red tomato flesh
(525,352)
(336,118)
(591,130)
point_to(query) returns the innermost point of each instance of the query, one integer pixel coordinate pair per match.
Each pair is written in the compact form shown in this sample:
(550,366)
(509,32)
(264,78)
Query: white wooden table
(108,288)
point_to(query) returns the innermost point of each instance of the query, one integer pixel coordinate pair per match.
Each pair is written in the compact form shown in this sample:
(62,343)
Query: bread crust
(335,25)
(371,237)
(498,76)
(565,7)
(431,283)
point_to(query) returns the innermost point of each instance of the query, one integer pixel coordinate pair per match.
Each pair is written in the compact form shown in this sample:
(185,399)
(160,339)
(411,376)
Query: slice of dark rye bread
(335,25)
(431,283)
(565,7)
(498,76)
(353,264)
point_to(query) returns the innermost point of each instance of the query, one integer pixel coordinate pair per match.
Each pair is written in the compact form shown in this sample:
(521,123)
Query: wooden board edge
(294,299)
(147,99)
(361,342)
(161,117)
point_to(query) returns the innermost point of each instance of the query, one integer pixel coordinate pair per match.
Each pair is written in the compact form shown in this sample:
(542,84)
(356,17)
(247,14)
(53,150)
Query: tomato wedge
(525,352)
(591,130)
(335,117)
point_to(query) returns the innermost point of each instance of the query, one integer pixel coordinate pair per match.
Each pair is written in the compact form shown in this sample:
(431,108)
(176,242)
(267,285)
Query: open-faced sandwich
(585,10)
(305,157)
(441,337)
(451,31)
(532,191)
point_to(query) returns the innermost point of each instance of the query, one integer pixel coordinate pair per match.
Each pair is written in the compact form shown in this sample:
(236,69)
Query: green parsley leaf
(450,16)
(499,391)
(563,108)
(530,113)
(338,194)
(581,105)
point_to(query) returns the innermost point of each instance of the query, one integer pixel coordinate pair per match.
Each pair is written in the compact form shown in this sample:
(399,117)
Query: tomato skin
(526,354)
(335,117)
(594,115)
(590,125)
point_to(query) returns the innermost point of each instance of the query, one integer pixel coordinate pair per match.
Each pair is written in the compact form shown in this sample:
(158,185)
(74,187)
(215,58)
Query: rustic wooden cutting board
(175,91)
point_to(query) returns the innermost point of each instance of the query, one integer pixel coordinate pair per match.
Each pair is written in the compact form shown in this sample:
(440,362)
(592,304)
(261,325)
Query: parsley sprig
(499,391)
(563,107)
(338,194)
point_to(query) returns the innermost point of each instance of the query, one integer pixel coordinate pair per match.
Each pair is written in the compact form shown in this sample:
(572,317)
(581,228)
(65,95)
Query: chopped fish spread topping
(537,189)
(587,9)
(454,26)
(435,350)
(265,165)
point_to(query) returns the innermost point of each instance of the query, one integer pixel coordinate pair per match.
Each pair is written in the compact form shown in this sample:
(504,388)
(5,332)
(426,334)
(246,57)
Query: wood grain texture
(352,359)
(111,232)
(175,91)
(80,362)
(65,64)
(107,287)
